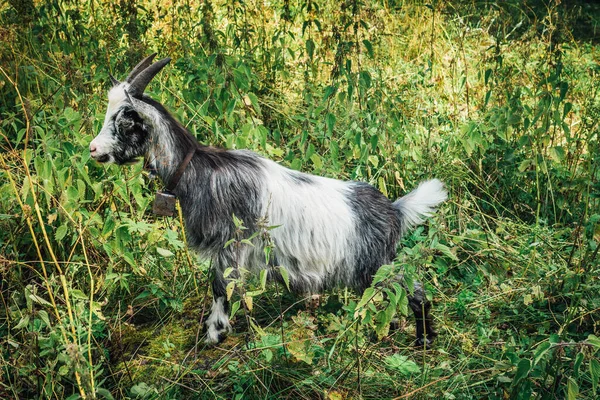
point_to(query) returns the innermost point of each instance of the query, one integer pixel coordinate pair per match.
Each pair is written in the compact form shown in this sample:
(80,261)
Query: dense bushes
(500,101)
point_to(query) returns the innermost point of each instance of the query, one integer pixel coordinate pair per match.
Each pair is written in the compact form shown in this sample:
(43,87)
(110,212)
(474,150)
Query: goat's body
(326,232)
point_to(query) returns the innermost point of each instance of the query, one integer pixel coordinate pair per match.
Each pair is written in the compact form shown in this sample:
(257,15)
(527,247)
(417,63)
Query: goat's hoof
(217,332)
(395,325)
(423,342)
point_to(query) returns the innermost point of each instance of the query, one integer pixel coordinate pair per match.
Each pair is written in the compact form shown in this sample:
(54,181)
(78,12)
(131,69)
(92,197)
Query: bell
(164,204)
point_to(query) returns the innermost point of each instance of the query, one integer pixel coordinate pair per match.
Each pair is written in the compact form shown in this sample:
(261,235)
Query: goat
(330,232)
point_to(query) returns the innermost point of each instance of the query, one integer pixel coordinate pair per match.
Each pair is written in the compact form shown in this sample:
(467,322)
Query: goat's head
(125,135)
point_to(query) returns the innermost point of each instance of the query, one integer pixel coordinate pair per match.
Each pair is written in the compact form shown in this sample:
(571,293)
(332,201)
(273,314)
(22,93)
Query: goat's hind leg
(217,324)
(421,306)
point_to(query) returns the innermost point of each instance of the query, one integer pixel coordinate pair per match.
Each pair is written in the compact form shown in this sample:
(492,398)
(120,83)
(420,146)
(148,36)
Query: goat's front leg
(217,324)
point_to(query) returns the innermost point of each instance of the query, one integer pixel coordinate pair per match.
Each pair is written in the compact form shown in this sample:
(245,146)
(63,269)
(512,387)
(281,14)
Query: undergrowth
(100,299)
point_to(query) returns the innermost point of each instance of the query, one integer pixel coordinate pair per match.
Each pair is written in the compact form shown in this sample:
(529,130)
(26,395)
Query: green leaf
(540,351)
(142,390)
(366,297)
(23,322)
(164,252)
(44,317)
(285,276)
(488,73)
(268,354)
(369,47)
(403,303)
(523,368)
(402,365)
(60,233)
(316,159)
(595,373)
(254,101)
(445,250)
(564,88)
(39,300)
(78,294)
(557,154)
(525,164)
(234,308)
(572,389)
(594,341)
(329,91)
(365,79)
(263,278)
(577,364)
(104,393)
(310,48)
(330,122)
(384,272)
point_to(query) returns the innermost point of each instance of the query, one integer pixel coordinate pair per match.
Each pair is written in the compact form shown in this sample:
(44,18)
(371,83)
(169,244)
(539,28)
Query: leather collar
(180,170)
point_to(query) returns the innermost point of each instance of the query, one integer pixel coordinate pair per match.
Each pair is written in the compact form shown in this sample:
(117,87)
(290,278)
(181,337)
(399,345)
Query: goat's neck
(167,151)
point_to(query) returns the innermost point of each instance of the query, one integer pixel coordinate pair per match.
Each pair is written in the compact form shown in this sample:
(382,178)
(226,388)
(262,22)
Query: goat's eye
(131,115)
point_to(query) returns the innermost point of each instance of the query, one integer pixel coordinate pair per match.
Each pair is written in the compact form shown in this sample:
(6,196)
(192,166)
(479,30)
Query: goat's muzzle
(101,158)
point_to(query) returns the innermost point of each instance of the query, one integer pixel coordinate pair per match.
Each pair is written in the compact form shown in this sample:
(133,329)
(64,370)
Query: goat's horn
(139,83)
(113,80)
(142,65)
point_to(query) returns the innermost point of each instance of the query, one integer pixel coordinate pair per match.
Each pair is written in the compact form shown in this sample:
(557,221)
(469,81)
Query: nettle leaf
(104,393)
(523,368)
(44,317)
(78,294)
(39,300)
(383,320)
(263,279)
(541,351)
(285,276)
(402,365)
(445,250)
(60,233)
(23,322)
(384,272)
(594,341)
(164,252)
(366,297)
(234,308)
(572,389)
(330,122)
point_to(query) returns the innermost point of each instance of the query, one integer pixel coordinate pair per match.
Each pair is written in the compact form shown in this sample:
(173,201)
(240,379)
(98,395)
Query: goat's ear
(113,80)
(128,97)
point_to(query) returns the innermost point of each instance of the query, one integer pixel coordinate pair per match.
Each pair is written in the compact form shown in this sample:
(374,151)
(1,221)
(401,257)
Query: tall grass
(499,100)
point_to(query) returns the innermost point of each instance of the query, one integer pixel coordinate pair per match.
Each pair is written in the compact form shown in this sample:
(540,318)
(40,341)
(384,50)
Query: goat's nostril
(92,149)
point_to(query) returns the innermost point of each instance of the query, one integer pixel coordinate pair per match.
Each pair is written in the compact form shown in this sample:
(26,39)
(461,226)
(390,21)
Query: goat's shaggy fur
(330,232)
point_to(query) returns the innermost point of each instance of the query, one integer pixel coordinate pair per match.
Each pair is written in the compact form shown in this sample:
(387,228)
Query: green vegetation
(500,100)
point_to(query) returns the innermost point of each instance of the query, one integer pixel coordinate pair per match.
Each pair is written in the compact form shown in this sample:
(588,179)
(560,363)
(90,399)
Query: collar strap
(180,170)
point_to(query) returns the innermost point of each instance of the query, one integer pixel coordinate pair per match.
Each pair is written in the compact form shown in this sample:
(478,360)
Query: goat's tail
(420,203)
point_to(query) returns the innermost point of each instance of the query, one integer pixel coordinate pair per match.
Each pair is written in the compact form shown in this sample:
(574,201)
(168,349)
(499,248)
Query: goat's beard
(130,161)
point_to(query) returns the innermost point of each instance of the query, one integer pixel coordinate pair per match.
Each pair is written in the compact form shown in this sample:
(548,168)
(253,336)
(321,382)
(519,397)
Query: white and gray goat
(330,232)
